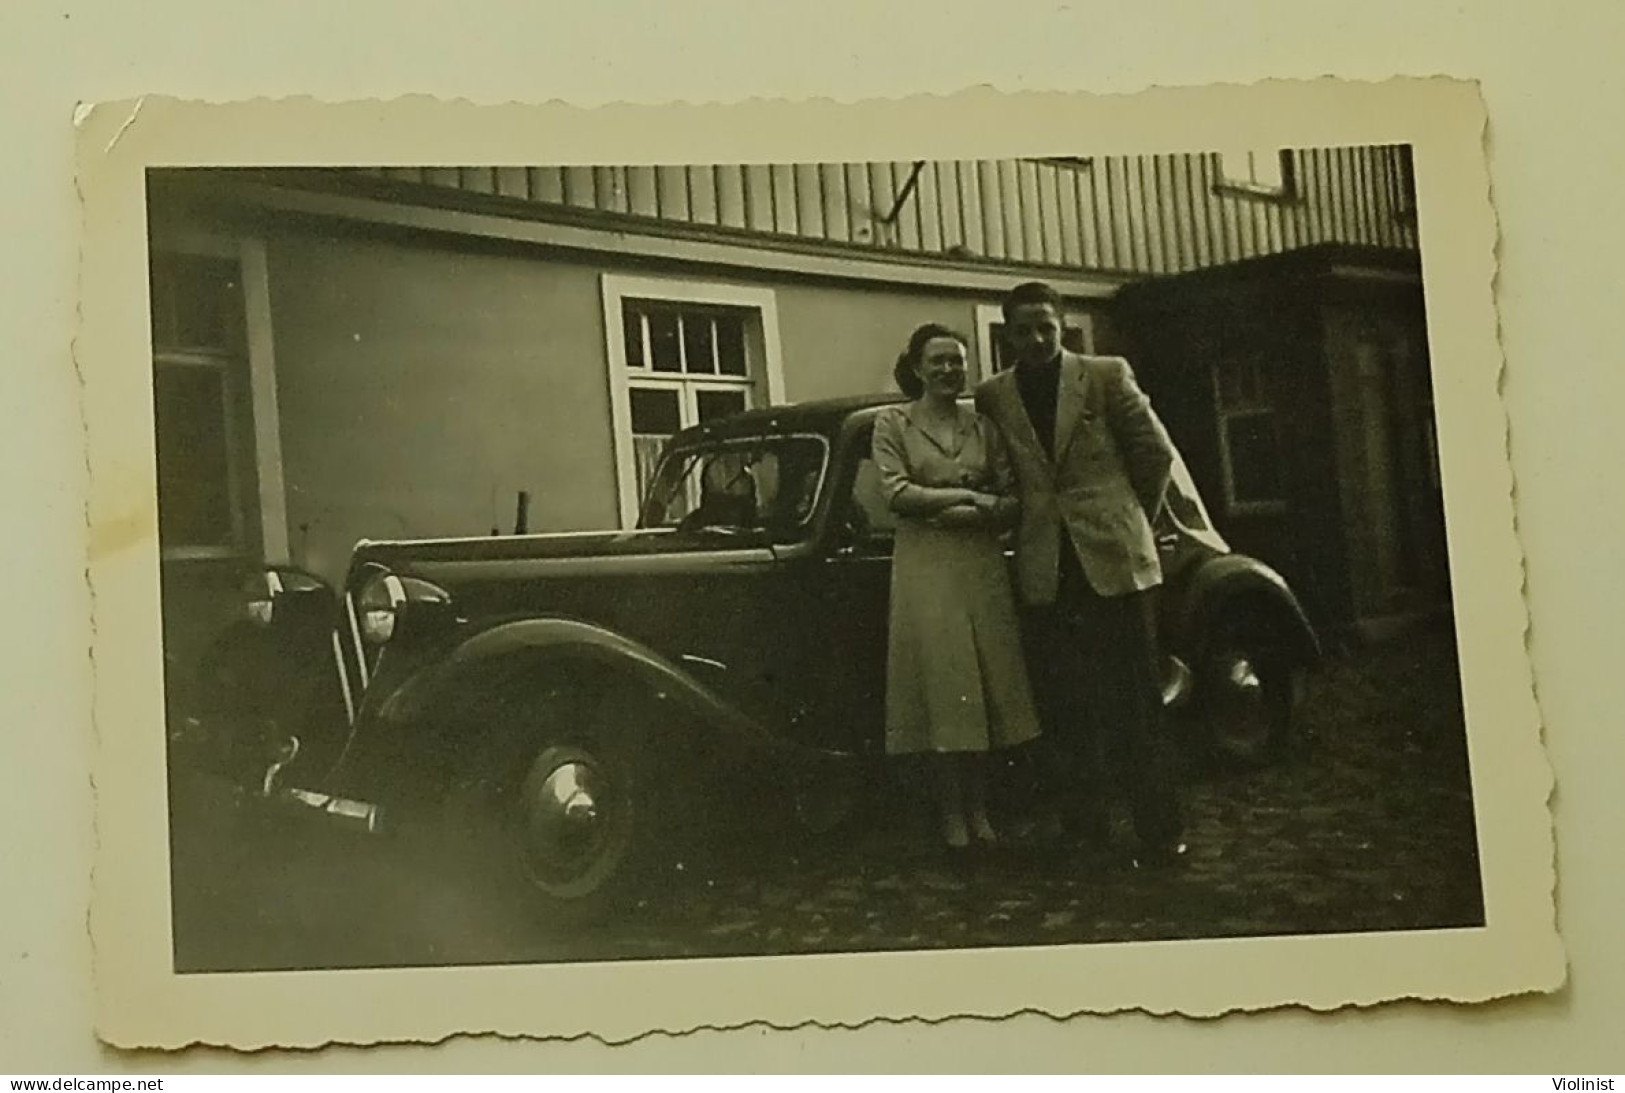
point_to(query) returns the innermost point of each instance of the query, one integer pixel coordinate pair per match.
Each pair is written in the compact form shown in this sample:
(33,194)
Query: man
(1092,463)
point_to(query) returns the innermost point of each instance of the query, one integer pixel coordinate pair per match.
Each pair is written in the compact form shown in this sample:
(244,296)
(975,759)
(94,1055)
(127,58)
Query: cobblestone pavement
(1371,830)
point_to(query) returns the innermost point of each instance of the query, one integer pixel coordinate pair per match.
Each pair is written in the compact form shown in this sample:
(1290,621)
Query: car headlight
(260,594)
(379,606)
(264,589)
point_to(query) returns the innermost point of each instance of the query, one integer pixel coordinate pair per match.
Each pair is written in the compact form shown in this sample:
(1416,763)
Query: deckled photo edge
(143,1002)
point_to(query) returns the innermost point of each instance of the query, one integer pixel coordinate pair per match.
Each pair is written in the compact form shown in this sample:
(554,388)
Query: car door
(846,589)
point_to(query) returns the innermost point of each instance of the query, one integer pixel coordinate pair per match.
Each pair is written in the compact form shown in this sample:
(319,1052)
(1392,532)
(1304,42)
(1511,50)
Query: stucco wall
(422,386)
(423,381)
(841,340)
(1396,552)
(420,389)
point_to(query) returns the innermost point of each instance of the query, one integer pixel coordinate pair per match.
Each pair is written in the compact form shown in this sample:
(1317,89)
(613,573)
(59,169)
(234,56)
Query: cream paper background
(141,1003)
(1561,301)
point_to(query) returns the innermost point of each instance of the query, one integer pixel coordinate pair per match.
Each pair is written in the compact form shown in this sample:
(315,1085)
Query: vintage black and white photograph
(596,564)
(593,562)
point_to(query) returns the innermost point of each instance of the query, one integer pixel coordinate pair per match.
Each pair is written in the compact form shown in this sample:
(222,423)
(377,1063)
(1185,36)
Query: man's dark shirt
(1039,385)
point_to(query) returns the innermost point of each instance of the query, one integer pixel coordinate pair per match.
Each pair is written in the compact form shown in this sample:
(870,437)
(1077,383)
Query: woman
(956,684)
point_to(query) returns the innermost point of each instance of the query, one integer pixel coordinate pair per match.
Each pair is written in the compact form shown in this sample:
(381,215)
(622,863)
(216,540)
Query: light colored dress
(956,679)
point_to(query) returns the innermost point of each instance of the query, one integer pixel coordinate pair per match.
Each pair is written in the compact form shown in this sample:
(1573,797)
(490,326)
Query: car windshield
(750,484)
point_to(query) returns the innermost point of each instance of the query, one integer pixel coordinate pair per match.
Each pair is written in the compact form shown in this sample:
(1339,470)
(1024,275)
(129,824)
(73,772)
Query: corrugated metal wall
(1140,214)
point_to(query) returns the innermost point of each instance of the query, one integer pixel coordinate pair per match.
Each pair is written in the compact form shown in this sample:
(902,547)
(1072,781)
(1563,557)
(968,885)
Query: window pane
(1241,384)
(663,340)
(730,335)
(995,338)
(1072,338)
(699,346)
(1236,166)
(646,453)
(1253,168)
(632,333)
(194,485)
(1267,169)
(1255,458)
(718,404)
(655,412)
(208,302)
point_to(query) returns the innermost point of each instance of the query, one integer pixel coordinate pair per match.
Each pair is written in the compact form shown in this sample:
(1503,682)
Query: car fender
(1224,580)
(556,641)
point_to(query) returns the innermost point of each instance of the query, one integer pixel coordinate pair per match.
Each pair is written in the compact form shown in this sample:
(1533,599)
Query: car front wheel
(576,826)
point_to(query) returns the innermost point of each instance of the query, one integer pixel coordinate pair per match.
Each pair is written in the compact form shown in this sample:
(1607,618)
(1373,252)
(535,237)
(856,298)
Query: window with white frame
(682,354)
(1250,441)
(1262,172)
(218,456)
(1077,334)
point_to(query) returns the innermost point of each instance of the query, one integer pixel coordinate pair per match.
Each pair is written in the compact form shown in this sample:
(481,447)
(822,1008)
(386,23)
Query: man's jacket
(1103,487)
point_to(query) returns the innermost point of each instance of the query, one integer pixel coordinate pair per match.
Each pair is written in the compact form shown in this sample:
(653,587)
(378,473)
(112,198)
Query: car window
(766,483)
(868,516)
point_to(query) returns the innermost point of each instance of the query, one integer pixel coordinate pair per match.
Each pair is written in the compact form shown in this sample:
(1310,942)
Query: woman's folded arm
(905,496)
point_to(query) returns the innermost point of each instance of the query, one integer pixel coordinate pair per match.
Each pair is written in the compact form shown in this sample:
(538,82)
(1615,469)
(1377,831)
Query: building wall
(1137,214)
(424,378)
(1396,553)
(421,388)
(1360,534)
(422,384)
(841,340)
(1175,338)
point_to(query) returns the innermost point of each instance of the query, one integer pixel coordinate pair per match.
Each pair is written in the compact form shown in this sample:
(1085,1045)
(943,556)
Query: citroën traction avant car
(593,700)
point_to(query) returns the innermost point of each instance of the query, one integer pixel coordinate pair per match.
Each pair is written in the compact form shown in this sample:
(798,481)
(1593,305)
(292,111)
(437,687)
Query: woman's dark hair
(906,371)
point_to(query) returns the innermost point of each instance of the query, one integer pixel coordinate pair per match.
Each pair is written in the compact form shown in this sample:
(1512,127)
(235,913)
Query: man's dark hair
(1030,292)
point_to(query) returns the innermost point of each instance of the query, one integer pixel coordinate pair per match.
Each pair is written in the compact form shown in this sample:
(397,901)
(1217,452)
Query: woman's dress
(956,679)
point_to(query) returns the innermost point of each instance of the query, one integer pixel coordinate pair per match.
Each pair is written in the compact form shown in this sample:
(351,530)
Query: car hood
(575,552)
